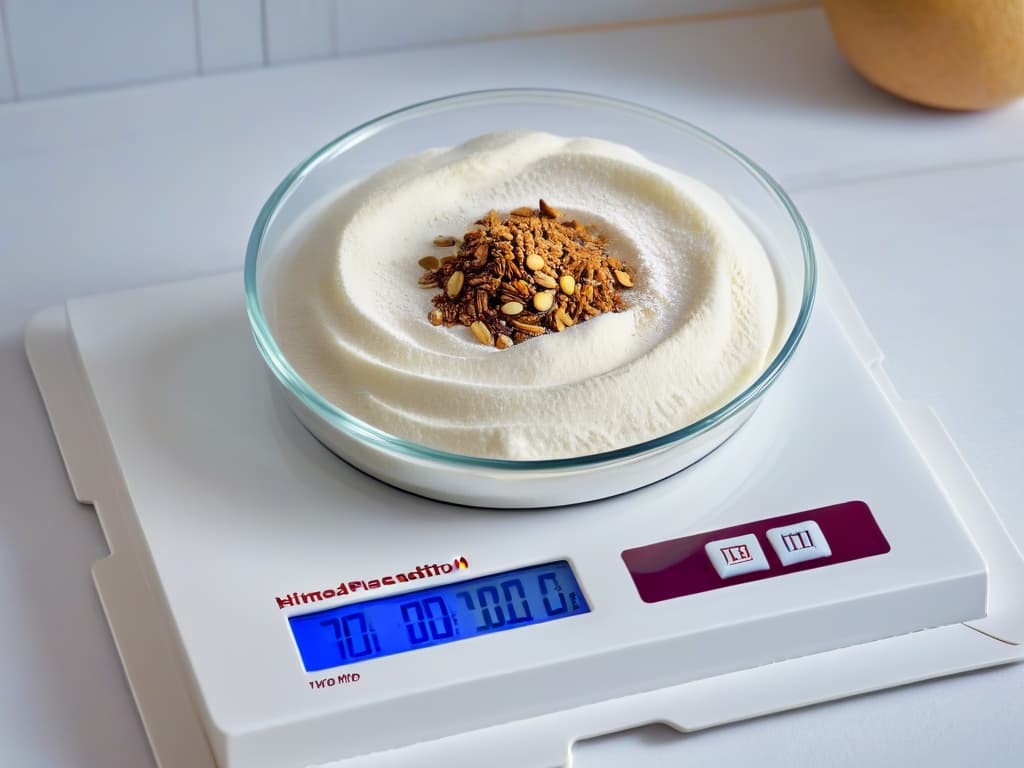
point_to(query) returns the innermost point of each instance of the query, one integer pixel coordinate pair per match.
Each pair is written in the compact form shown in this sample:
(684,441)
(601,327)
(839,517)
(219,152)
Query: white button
(799,543)
(736,556)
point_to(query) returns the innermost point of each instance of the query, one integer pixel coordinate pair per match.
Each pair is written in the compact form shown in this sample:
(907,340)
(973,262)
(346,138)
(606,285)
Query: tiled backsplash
(59,46)
(229,34)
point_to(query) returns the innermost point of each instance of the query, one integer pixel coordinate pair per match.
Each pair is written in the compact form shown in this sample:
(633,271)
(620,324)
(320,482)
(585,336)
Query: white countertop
(920,210)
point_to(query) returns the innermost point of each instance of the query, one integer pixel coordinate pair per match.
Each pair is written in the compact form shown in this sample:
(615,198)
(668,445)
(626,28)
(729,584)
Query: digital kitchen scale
(275,607)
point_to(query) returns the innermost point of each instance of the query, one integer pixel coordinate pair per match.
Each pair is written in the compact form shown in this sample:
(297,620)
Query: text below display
(437,615)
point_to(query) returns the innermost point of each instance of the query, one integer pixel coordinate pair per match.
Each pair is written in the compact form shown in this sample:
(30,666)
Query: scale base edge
(170,714)
(160,690)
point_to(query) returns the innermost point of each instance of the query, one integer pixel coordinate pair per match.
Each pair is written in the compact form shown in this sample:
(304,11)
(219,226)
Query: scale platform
(275,607)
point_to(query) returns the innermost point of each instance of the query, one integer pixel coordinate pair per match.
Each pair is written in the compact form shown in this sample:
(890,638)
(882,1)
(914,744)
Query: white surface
(59,46)
(936,272)
(107,213)
(230,34)
(298,30)
(219,435)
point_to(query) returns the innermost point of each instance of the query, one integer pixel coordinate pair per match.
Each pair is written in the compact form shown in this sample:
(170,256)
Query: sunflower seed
(454,284)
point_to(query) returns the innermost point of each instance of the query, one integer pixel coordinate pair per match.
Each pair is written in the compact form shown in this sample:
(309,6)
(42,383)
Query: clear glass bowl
(452,120)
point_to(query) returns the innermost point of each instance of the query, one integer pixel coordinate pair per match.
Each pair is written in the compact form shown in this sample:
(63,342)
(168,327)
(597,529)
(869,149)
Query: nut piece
(503,342)
(429,262)
(542,301)
(544,280)
(436,317)
(567,283)
(549,211)
(524,211)
(511,308)
(563,317)
(530,328)
(623,278)
(482,333)
(454,284)
(480,254)
(534,261)
(443,241)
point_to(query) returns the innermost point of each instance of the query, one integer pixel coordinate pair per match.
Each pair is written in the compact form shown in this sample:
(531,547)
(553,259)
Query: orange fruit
(953,54)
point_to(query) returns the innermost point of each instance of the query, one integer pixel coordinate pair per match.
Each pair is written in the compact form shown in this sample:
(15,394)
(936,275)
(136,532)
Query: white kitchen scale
(796,564)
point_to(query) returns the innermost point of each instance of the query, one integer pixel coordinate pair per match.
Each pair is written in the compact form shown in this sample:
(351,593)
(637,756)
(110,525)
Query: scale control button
(799,542)
(736,556)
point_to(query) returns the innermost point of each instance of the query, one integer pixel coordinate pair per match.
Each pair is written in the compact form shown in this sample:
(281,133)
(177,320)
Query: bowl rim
(361,430)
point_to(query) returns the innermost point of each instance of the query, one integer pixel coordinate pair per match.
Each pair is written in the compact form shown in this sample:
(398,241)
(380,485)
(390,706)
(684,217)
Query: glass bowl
(448,121)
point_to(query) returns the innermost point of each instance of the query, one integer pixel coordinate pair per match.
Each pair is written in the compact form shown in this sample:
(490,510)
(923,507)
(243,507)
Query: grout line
(115,88)
(199,39)
(740,13)
(264,33)
(608,26)
(8,43)
(332,19)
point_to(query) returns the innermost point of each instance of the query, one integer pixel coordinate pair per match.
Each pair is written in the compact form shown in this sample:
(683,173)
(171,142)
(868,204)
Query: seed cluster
(524,275)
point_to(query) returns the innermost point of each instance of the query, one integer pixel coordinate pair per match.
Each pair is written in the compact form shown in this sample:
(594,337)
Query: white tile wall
(298,29)
(365,25)
(6,76)
(62,46)
(230,34)
(58,46)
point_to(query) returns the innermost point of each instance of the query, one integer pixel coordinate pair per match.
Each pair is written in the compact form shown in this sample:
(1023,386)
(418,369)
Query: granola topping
(507,264)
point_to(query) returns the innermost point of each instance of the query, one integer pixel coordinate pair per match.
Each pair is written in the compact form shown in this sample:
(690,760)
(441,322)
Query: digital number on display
(445,614)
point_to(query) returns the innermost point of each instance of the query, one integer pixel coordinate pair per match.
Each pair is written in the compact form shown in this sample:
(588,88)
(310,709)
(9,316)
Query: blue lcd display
(445,614)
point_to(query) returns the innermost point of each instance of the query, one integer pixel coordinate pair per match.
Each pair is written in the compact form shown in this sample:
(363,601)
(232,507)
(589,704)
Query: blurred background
(57,47)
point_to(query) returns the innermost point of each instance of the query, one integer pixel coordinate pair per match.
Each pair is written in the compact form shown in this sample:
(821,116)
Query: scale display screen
(436,615)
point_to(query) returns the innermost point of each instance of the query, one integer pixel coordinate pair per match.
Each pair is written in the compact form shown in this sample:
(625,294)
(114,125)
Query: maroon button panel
(680,567)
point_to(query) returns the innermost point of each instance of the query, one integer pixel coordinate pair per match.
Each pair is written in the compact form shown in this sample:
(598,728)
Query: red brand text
(352,587)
